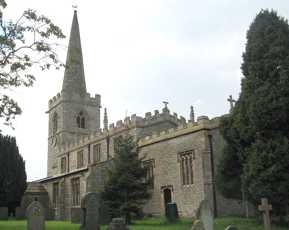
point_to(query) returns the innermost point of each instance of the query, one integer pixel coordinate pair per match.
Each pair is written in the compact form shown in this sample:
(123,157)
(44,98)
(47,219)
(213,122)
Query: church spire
(74,80)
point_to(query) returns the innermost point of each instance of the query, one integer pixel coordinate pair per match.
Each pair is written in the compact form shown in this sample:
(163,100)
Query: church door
(167,198)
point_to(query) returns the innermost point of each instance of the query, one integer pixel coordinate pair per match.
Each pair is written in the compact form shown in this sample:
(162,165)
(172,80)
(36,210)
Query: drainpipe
(213,174)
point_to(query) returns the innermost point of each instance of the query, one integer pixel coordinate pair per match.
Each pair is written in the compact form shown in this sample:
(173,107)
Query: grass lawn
(148,224)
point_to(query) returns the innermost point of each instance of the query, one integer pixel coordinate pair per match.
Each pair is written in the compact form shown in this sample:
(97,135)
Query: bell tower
(73,113)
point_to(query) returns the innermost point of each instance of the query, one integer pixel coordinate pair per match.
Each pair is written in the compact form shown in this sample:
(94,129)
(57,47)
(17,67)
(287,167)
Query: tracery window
(149,166)
(55,194)
(80,159)
(75,189)
(80,120)
(96,153)
(186,167)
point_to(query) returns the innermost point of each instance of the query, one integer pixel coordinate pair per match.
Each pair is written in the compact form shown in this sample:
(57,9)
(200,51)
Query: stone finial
(192,114)
(165,109)
(105,120)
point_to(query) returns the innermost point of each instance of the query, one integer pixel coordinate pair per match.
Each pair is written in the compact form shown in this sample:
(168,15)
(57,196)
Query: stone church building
(181,156)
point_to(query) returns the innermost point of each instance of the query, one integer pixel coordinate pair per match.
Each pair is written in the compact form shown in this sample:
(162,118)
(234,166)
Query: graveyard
(159,171)
(149,224)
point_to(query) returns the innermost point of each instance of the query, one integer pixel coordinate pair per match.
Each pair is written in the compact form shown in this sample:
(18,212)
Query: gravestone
(198,225)
(206,216)
(231,228)
(19,213)
(265,207)
(117,224)
(3,213)
(35,216)
(95,183)
(172,212)
(90,206)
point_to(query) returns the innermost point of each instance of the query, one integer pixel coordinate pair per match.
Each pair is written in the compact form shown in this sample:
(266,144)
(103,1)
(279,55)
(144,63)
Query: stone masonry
(182,156)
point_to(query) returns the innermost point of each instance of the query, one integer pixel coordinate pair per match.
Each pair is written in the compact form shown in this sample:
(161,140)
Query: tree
(12,173)
(257,130)
(24,44)
(126,190)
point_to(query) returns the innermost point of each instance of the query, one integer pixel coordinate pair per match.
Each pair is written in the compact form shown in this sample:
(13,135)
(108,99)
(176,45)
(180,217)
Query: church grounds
(148,224)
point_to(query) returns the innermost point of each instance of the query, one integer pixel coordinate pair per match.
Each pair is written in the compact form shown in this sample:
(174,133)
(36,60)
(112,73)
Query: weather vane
(166,104)
(74,7)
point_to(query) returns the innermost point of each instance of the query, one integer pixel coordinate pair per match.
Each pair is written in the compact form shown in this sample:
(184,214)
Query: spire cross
(166,104)
(265,207)
(232,101)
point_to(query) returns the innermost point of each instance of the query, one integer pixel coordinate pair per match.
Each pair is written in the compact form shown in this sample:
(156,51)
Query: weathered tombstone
(206,216)
(117,224)
(3,213)
(35,216)
(231,228)
(95,183)
(172,212)
(90,206)
(265,207)
(19,213)
(198,225)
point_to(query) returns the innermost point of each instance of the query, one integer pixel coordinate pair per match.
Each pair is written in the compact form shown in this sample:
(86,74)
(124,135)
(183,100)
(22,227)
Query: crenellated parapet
(203,122)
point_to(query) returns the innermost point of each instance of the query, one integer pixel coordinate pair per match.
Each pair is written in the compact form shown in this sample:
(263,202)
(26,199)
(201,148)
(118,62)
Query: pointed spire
(74,80)
(105,120)
(192,114)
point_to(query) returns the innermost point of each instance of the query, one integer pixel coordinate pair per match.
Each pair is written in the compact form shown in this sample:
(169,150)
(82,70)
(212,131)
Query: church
(181,157)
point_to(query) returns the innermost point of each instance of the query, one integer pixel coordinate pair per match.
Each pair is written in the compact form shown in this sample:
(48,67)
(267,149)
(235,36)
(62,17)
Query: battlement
(202,123)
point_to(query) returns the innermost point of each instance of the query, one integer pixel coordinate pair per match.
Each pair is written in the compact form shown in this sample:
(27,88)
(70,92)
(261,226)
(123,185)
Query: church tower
(73,113)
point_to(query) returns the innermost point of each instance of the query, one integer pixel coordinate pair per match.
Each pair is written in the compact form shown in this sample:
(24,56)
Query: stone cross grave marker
(35,216)
(205,214)
(90,206)
(231,101)
(265,207)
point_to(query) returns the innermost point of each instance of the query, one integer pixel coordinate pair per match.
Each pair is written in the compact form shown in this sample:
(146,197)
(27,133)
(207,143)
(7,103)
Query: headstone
(19,213)
(117,224)
(90,206)
(3,213)
(35,216)
(75,215)
(205,214)
(95,183)
(198,225)
(172,212)
(265,207)
(231,228)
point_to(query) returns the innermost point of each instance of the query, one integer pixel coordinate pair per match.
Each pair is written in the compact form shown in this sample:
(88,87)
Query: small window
(96,153)
(55,194)
(186,167)
(63,165)
(75,189)
(80,159)
(54,123)
(80,120)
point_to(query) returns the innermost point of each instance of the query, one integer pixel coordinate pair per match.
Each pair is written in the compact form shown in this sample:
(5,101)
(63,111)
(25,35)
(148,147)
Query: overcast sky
(138,53)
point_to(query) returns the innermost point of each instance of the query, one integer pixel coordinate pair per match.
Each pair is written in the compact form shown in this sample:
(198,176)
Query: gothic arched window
(54,123)
(80,120)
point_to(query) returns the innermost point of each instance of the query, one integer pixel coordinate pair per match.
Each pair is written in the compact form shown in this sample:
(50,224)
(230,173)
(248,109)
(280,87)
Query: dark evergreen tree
(126,190)
(12,173)
(256,158)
